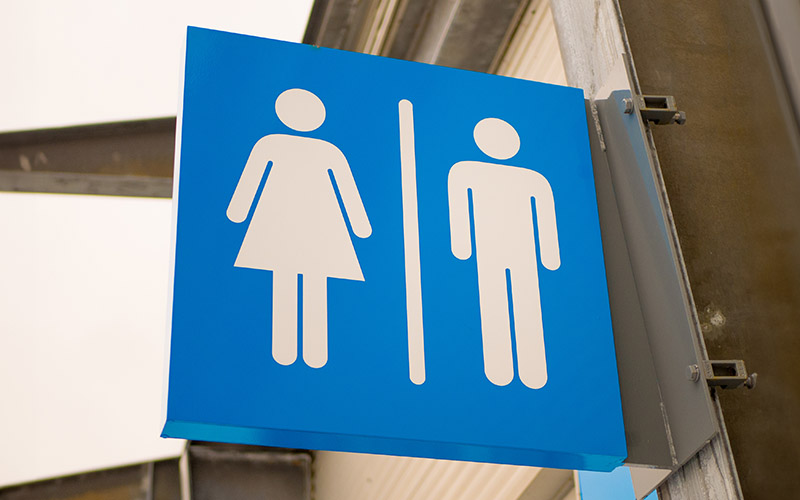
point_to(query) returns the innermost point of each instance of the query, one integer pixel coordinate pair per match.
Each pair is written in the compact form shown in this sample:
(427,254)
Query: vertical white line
(408,169)
(185,474)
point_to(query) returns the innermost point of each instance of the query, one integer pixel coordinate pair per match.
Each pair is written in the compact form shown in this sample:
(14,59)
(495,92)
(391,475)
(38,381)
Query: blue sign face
(381,256)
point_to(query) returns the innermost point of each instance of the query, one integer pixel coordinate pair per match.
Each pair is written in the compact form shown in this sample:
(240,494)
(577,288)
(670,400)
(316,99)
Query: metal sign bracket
(725,374)
(667,416)
(657,109)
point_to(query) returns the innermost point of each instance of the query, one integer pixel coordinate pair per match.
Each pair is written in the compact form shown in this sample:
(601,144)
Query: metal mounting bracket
(667,420)
(658,109)
(725,374)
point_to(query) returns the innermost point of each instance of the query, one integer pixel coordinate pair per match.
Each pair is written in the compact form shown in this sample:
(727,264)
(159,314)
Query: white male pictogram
(505,245)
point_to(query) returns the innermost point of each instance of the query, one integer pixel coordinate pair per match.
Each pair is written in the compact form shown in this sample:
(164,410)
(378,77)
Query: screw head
(628,102)
(751,381)
(693,373)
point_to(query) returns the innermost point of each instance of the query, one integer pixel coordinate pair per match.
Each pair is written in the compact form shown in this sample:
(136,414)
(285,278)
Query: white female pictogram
(505,242)
(297,227)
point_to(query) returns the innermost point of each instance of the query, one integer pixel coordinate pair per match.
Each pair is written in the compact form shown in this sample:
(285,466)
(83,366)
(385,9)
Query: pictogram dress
(298,226)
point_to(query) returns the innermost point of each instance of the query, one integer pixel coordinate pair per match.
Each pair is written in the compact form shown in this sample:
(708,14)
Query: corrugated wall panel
(533,53)
(351,476)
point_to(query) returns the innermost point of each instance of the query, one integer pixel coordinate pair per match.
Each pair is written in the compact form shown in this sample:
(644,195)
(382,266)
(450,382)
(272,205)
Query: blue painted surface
(224,384)
(614,485)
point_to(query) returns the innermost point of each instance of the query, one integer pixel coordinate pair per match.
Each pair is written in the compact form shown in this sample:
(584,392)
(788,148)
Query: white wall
(67,62)
(83,279)
(83,321)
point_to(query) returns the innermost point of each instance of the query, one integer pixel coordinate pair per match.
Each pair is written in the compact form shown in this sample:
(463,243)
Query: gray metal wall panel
(733,177)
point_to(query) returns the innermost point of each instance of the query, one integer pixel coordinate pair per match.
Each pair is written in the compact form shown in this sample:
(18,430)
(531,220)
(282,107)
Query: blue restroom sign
(380,256)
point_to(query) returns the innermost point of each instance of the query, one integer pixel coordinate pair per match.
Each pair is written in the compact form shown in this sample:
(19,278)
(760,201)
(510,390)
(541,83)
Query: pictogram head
(300,110)
(496,138)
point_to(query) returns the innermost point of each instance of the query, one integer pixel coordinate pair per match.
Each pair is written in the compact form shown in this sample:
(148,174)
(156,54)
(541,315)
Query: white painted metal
(533,52)
(352,476)
(82,329)
(184,474)
(709,475)
(591,40)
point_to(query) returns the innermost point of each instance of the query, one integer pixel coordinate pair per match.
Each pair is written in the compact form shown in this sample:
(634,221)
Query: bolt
(693,373)
(679,117)
(628,102)
(751,381)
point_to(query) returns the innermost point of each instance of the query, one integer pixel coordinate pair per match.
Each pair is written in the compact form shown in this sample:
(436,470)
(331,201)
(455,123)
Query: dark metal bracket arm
(725,374)
(657,109)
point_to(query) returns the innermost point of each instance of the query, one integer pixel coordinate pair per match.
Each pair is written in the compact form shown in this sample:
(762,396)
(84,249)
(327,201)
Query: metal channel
(645,432)
(687,411)
(125,159)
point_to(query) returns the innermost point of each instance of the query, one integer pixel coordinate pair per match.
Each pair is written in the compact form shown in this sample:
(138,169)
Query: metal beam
(205,470)
(464,34)
(121,483)
(220,470)
(338,24)
(126,159)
